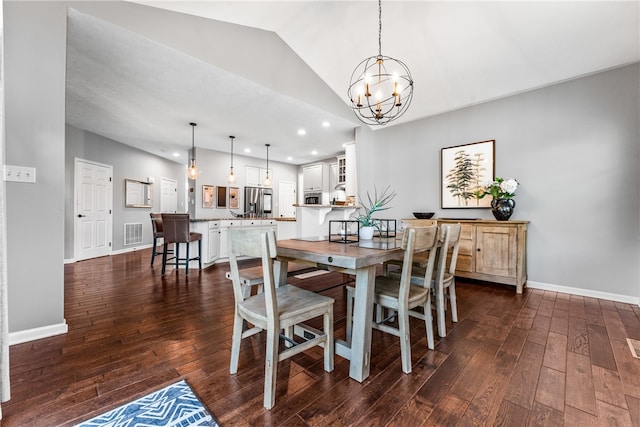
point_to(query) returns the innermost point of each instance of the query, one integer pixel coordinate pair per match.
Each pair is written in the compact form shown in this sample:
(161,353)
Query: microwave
(312,198)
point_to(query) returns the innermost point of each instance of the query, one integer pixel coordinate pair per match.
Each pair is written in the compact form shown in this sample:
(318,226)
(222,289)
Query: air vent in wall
(133,233)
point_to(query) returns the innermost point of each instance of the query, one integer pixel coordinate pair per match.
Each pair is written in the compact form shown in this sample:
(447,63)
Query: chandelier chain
(379,27)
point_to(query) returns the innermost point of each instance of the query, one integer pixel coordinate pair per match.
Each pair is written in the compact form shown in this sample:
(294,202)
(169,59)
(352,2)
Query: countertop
(324,206)
(242,219)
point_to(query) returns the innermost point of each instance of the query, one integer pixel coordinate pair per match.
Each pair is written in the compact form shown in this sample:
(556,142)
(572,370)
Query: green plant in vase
(368,207)
(502,190)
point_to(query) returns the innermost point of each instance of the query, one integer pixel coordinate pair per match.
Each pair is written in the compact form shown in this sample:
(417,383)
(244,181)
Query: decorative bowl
(423,215)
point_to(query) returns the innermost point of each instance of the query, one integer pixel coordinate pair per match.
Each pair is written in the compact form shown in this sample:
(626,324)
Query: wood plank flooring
(541,358)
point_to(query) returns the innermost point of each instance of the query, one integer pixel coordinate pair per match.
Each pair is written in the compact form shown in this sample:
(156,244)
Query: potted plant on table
(502,190)
(367,208)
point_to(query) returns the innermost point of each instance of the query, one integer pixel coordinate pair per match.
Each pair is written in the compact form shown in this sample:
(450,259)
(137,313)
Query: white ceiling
(143,92)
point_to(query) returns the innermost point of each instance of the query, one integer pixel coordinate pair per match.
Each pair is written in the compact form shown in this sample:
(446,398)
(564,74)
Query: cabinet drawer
(466,232)
(466,248)
(213,224)
(230,223)
(464,263)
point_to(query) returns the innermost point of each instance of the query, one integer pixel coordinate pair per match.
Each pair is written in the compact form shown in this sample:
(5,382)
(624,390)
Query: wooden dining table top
(351,256)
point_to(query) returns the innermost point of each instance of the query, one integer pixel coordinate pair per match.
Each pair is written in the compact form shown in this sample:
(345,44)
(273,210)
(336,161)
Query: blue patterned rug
(175,406)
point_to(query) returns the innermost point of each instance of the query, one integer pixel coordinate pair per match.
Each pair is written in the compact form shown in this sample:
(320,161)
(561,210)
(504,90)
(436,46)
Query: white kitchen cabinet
(255,176)
(333,181)
(316,177)
(224,235)
(213,242)
(342,170)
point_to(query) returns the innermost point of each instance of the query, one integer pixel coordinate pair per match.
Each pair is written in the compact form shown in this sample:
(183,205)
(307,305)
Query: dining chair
(400,296)
(275,310)
(443,282)
(176,230)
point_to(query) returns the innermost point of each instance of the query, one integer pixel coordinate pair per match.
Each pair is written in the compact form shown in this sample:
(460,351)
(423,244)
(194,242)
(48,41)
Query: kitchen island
(215,234)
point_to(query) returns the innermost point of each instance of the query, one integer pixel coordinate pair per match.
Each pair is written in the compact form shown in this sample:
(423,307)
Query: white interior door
(168,195)
(286,199)
(93,209)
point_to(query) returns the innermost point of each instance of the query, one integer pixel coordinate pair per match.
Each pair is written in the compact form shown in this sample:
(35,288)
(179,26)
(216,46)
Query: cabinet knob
(478,249)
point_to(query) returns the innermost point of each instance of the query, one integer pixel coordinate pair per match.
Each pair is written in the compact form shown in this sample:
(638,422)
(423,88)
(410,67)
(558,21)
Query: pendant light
(192,171)
(231,179)
(381,87)
(267,179)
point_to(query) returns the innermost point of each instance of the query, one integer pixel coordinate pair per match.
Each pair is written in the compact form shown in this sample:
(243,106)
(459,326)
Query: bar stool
(176,231)
(158,233)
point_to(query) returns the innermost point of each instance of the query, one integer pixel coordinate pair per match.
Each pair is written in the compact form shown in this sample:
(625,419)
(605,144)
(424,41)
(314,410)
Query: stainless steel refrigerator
(258,201)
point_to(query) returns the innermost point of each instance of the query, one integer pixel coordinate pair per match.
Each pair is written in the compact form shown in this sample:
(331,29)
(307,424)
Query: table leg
(361,332)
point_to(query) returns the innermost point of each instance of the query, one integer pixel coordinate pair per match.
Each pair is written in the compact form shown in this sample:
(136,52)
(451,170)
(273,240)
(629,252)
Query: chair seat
(390,288)
(194,237)
(293,303)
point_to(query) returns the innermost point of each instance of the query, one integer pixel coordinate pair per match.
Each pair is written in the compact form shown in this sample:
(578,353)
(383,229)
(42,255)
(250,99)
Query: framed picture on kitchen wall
(221,197)
(464,169)
(207,196)
(234,202)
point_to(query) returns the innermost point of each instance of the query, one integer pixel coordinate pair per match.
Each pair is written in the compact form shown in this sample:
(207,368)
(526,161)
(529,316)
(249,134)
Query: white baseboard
(584,292)
(126,250)
(38,333)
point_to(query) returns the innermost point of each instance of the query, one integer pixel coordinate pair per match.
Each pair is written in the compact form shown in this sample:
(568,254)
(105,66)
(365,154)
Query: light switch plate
(19,174)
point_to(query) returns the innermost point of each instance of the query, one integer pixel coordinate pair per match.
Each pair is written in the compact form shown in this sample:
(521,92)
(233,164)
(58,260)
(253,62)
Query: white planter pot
(366,233)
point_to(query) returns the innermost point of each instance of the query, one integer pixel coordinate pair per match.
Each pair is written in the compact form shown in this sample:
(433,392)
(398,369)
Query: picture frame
(221,197)
(465,169)
(234,199)
(207,196)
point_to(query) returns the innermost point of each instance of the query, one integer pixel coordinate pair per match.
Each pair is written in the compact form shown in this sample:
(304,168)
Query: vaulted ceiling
(139,72)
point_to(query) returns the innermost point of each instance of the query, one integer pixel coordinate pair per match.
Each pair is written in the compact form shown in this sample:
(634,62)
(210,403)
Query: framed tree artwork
(464,169)
(234,201)
(222,197)
(207,196)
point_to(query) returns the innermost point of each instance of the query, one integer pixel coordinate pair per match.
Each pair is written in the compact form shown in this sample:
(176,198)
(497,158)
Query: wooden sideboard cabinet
(494,251)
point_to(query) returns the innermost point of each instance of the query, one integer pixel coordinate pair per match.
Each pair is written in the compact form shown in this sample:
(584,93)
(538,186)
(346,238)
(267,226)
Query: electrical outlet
(19,174)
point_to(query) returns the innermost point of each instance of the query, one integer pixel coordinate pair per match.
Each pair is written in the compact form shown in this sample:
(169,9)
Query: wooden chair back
(415,241)
(448,251)
(254,243)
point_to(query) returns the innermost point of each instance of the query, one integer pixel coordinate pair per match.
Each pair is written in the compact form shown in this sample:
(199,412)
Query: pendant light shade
(381,87)
(192,171)
(267,179)
(231,179)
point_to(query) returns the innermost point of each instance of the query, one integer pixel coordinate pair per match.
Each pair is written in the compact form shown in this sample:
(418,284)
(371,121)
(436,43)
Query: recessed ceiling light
(344,144)
(314,152)
(302,132)
(289,158)
(247,150)
(176,154)
(326,124)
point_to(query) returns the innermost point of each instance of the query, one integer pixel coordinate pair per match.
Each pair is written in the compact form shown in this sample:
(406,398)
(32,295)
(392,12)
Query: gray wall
(574,148)
(34,41)
(127,163)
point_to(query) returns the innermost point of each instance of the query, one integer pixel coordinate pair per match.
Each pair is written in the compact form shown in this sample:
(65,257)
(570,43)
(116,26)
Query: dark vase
(502,208)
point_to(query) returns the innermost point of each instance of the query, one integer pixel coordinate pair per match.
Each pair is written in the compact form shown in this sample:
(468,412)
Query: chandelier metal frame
(381,87)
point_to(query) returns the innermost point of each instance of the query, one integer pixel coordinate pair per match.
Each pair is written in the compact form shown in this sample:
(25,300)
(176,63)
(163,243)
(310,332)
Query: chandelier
(381,87)
(192,171)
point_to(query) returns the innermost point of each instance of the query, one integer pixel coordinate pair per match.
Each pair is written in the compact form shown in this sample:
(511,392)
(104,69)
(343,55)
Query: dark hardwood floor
(540,358)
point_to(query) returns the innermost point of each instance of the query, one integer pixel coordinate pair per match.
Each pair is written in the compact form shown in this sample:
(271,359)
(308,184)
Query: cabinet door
(253,176)
(214,243)
(496,250)
(312,178)
(223,238)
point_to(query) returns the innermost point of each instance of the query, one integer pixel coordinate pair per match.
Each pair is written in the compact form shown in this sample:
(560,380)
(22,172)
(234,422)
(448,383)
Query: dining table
(358,258)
